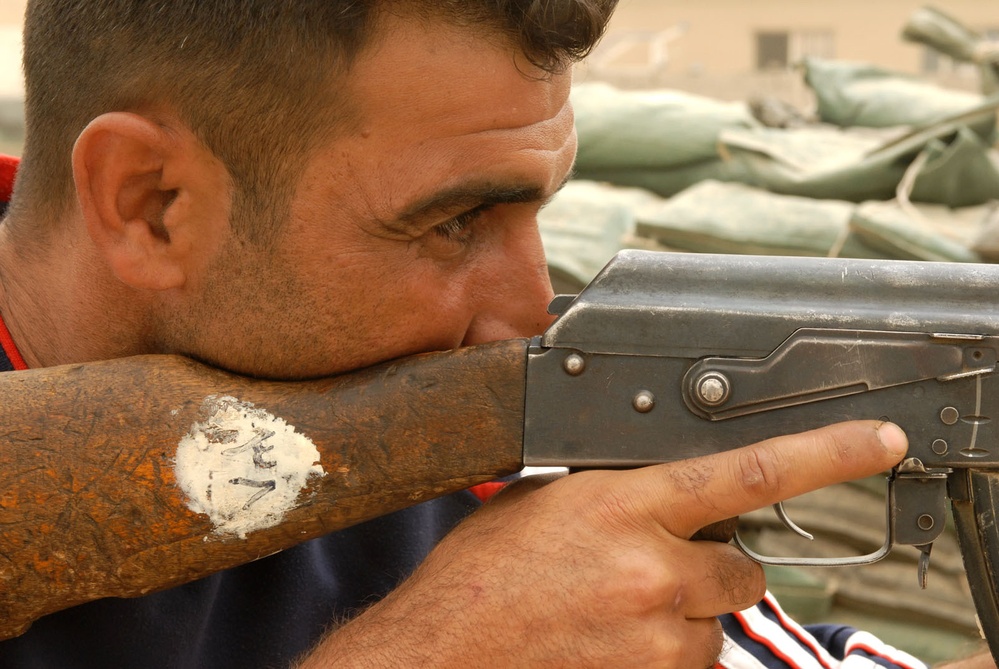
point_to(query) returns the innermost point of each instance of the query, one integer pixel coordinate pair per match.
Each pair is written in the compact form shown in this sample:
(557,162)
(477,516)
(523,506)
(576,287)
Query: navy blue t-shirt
(263,614)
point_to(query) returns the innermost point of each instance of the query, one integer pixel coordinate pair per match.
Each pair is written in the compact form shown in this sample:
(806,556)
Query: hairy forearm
(365,642)
(405,629)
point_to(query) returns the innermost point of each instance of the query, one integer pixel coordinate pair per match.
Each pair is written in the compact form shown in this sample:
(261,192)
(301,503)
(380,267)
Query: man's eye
(457,229)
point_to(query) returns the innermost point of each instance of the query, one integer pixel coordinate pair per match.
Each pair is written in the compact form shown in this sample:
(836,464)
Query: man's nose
(514,303)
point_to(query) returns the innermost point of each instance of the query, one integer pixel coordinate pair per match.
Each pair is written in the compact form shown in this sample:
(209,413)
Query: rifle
(179,470)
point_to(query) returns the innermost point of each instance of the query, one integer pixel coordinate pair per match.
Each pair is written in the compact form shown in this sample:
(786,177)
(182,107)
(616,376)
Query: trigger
(788,523)
(924,563)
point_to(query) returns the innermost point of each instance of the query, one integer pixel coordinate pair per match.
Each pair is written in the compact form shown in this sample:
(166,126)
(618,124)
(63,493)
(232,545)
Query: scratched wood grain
(90,508)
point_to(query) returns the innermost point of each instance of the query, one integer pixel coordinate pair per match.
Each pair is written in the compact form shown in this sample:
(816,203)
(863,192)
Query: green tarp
(859,94)
(588,222)
(666,142)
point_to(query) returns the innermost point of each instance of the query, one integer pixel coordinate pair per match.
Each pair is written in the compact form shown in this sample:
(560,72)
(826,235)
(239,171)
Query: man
(297,189)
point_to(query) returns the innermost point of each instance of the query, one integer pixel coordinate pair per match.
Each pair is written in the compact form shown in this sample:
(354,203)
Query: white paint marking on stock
(243,467)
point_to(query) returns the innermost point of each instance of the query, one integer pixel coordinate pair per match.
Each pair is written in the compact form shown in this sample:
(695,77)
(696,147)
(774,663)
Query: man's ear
(129,171)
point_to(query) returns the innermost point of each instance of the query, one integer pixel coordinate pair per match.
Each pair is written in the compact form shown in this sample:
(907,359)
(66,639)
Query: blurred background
(11,85)
(734,49)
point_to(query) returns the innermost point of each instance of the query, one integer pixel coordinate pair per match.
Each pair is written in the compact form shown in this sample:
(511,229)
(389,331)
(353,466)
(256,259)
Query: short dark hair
(214,62)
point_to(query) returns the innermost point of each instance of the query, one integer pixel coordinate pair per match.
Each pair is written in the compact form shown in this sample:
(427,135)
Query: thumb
(516,489)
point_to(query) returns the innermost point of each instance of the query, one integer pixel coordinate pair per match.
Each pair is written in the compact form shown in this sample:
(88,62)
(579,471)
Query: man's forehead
(419,71)
(443,122)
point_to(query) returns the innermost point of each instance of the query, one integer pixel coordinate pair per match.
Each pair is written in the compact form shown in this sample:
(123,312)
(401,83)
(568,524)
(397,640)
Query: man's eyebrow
(468,196)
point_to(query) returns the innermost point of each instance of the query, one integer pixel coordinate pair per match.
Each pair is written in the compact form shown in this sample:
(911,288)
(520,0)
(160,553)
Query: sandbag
(858,94)
(959,169)
(666,141)
(582,228)
(668,181)
(925,232)
(944,33)
(654,129)
(715,217)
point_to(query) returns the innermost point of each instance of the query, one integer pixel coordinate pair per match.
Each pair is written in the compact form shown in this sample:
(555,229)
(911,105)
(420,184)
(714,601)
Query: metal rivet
(925,522)
(574,364)
(949,415)
(939,446)
(712,388)
(644,401)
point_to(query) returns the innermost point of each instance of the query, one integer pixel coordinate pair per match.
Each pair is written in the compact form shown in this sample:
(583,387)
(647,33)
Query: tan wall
(720,33)
(12,11)
(11,16)
(716,53)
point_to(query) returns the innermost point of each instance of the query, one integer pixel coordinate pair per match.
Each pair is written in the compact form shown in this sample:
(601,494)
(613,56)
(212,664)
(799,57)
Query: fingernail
(893,438)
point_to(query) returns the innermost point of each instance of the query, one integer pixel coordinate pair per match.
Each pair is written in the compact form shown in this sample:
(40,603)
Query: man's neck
(19,303)
(53,306)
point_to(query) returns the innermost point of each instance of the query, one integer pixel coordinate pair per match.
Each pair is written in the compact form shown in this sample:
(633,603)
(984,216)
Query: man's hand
(596,569)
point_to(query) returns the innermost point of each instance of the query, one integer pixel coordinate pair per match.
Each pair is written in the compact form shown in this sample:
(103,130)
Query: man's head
(256,81)
(340,202)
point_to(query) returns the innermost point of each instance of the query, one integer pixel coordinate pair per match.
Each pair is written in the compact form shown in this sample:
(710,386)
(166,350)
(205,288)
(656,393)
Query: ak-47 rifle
(152,471)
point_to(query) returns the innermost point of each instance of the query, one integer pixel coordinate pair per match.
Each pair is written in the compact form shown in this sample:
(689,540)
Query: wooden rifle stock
(90,505)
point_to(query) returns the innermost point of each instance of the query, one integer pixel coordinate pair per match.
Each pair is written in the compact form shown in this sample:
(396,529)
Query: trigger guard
(870,558)
(854,560)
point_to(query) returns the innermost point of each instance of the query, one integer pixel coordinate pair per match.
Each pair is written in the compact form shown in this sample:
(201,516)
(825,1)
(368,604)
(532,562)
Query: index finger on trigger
(695,493)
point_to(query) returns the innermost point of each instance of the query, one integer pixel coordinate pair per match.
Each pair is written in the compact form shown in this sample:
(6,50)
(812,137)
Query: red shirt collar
(9,348)
(8,168)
